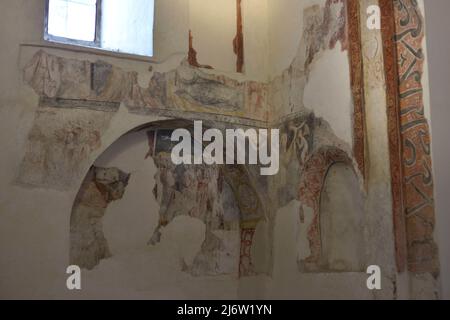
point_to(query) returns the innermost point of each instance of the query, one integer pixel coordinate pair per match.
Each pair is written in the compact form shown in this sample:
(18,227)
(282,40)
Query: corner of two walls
(85,104)
(299,81)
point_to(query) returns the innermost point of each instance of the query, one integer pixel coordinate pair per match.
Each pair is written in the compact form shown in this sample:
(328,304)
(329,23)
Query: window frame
(98,29)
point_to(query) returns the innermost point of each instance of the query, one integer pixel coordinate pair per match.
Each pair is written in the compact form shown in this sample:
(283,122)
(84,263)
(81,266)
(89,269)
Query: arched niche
(330,186)
(224,198)
(341,225)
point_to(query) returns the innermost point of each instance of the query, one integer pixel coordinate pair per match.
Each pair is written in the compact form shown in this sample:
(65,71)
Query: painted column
(379,237)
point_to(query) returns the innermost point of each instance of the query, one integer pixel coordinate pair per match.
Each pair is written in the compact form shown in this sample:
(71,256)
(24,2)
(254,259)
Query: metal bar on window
(47,5)
(98,24)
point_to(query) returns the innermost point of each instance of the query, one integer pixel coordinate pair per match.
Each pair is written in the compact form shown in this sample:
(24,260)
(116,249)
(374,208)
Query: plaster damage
(210,194)
(244,214)
(59,144)
(100,187)
(223,198)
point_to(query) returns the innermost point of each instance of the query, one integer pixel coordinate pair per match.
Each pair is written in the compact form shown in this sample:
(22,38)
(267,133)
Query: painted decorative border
(409,137)
(395,147)
(238,42)
(357,83)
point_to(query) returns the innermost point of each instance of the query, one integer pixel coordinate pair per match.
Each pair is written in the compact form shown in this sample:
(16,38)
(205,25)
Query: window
(114,25)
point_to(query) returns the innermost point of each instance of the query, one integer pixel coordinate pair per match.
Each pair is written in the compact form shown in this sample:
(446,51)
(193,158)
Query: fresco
(413,186)
(240,209)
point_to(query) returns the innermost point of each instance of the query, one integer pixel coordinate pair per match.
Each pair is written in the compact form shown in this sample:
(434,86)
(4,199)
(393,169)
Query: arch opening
(134,183)
(341,225)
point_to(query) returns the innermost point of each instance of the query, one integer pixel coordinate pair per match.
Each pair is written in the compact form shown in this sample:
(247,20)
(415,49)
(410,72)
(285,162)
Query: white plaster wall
(438,25)
(148,271)
(285,20)
(328,92)
(256,39)
(285,31)
(341,220)
(171,27)
(213,26)
(136,213)
(288,283)
(34,228)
